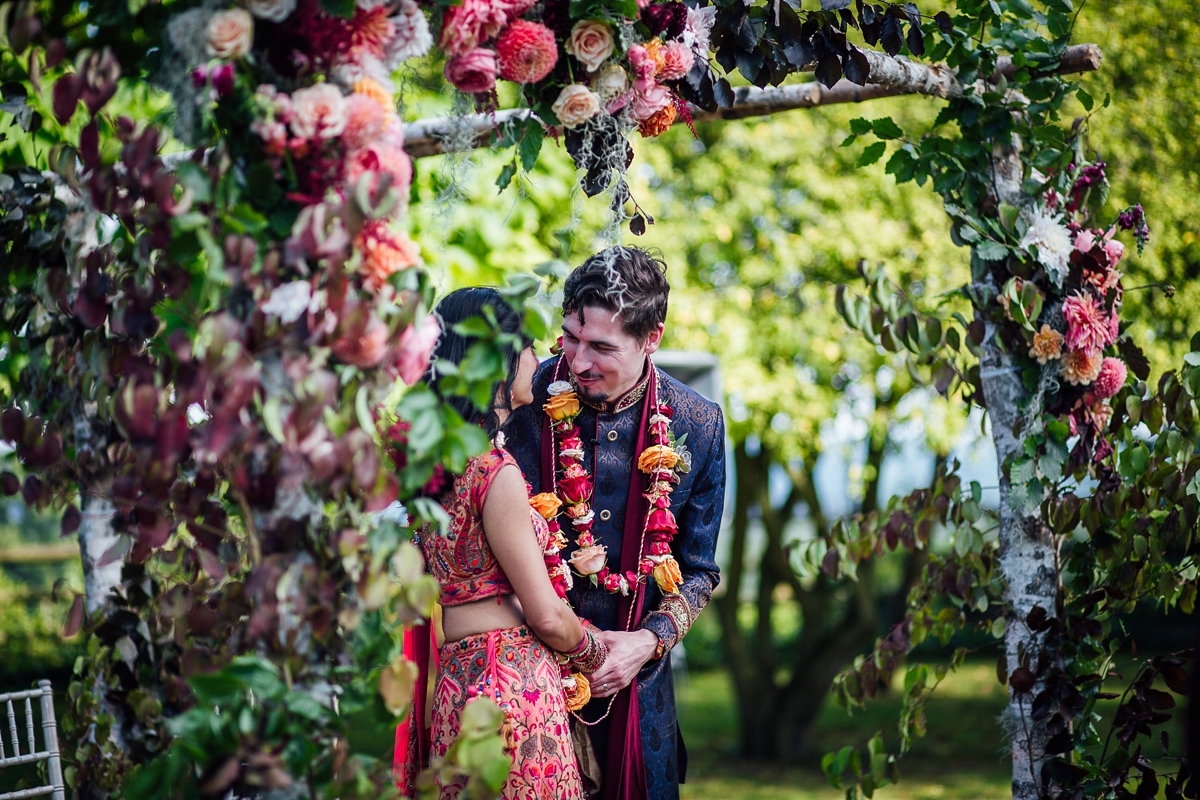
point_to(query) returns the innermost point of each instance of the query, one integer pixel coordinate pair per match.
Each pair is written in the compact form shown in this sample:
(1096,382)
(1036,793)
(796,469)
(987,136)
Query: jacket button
(605,515)
(612,436)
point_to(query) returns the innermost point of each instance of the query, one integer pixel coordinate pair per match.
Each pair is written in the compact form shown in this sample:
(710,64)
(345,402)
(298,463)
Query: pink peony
(1111,378)
(677,62)
(365,121)
(647,104)
(415,349)
(1087,324)
(467,26)
(318,112)
(472,72)
(528,51)
(1084,240)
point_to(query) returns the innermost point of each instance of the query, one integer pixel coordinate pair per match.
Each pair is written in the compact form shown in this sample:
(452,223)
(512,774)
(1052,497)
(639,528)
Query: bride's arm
(509,530)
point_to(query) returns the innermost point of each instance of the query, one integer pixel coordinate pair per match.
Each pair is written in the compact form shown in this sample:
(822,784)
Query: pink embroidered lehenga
(511,663)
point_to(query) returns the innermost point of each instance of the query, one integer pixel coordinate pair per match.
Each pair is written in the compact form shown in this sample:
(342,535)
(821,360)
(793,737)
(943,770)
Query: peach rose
(576,104)
(562,406)
(658,456)
(667,575)
(230,33)
(546,504)
(318,112)
(364,121)
(589,560)
(591,42)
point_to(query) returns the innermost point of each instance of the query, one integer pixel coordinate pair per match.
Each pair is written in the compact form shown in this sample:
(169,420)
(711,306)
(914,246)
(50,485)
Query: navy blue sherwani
(609,438)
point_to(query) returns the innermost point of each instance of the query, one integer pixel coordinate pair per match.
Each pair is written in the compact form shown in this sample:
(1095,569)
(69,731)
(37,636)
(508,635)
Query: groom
(614,310)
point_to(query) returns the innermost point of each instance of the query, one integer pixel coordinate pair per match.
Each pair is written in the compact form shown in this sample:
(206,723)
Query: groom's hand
(627,652)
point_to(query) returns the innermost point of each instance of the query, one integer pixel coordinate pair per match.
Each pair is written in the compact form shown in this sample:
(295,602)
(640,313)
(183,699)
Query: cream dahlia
(1053,242)
(1080,367)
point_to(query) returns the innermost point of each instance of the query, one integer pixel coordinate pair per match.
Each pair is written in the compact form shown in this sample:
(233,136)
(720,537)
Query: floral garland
(1069,310)
(664,461)
(518,40)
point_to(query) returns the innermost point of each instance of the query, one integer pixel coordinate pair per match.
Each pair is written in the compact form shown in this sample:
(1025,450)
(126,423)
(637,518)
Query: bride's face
(522,387)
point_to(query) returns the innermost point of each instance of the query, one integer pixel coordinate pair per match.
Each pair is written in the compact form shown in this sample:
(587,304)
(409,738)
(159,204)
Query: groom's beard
(595,397)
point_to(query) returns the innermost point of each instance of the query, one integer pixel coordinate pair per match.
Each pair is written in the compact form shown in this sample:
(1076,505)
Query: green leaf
(989,250)
(859,125)
(531,144)
(871,153)
(885,128)
(271,417)
(195,180)
(1085,99)
(506,175)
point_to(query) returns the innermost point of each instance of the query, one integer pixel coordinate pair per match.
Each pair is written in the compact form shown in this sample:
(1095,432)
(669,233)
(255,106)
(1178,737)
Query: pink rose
(230,33)
(364,121)
(318,112)
(416,348)
(468,25)
(473,72)
(381,159)
(648,103)
(576,104)
(591,42)
(589,560)
(677,61)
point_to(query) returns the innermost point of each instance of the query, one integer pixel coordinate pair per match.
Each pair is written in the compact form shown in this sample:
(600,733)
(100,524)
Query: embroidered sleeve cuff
(662,627)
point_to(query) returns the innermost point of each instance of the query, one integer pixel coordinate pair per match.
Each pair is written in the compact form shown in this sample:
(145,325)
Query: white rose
(576,104)
(557,388)
(230,33)
(318,112)
(611,83)
(591,42)
(272,10)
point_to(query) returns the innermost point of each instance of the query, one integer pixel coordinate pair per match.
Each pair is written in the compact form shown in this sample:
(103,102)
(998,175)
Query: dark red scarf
(625,764)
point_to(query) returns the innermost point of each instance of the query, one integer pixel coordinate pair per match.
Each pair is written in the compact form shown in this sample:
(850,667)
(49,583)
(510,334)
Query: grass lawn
(960,757)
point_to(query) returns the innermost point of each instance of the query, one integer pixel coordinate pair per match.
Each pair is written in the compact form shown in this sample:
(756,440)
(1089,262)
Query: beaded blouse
(460,557)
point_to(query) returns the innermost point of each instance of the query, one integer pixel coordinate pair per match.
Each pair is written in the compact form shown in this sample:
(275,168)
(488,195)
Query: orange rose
(668,576)
(578,691)
(546,504)
(660,456)
(562,406)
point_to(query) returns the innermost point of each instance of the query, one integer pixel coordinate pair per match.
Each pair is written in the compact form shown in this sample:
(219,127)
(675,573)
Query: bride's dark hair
(459,306)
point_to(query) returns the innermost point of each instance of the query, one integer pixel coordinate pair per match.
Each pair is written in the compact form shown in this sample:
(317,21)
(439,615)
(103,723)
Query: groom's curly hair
(627,281)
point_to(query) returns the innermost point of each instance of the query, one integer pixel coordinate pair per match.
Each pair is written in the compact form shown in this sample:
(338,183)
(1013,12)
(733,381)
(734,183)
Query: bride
(505,621)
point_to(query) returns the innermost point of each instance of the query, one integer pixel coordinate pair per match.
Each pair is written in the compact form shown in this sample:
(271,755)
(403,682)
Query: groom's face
(606,361)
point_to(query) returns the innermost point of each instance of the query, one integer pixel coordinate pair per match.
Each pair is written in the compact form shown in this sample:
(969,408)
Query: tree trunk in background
(1028,555)
(839,619)
(98,542)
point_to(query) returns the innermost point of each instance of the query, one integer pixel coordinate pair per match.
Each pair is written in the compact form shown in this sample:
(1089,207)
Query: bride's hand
(627,653)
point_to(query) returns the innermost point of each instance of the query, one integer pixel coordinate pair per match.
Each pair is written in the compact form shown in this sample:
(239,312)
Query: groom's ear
(654,339)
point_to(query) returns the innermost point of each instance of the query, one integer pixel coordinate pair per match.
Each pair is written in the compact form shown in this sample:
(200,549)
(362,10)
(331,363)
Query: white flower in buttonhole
(1047,233)
(558,387)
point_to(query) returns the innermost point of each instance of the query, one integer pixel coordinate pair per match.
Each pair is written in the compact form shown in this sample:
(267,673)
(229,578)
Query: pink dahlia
(472,72)
(528,51)
(677,62)
(468,25)
(1087,324)
(371,31)
(365,120)
(1111,378)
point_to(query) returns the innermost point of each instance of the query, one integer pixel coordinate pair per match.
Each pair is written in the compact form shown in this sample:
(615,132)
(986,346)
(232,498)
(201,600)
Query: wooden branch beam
(889,77)
(52,553)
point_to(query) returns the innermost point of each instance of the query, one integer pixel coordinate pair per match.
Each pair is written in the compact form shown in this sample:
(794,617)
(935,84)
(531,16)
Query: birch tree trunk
(99,543)
(1028,560)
